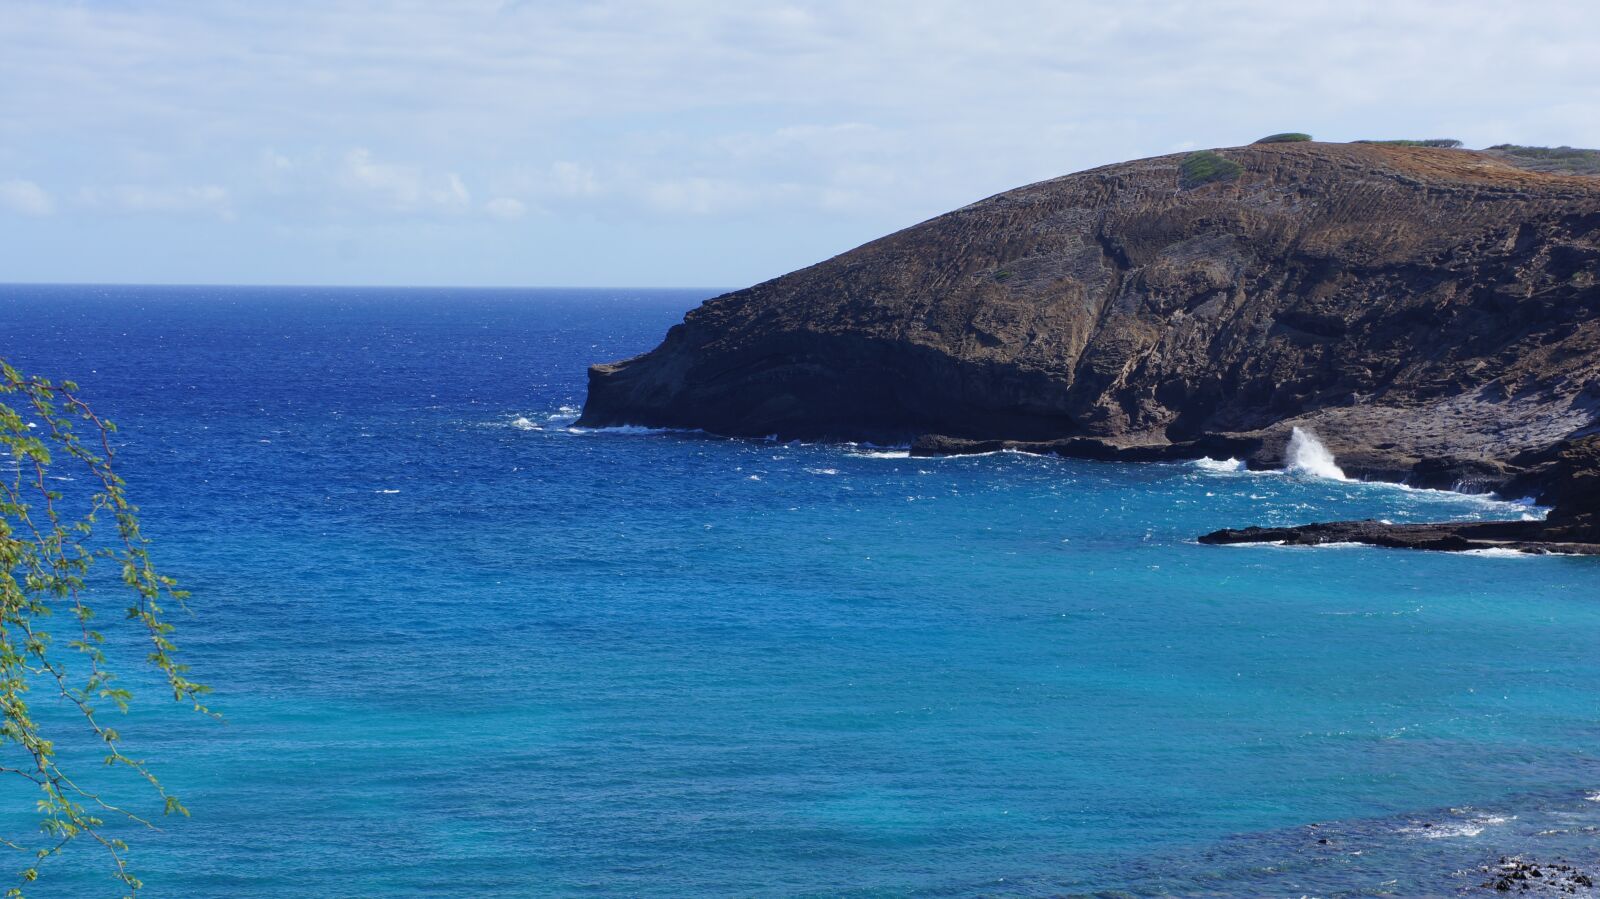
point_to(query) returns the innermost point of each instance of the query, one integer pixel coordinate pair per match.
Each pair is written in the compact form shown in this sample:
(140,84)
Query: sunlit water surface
(462,648)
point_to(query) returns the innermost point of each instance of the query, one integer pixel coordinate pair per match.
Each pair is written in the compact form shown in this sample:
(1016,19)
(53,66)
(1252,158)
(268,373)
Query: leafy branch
(47,550)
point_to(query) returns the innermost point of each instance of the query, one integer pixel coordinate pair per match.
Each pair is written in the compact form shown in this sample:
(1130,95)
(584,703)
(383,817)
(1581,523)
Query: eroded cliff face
(1416,307)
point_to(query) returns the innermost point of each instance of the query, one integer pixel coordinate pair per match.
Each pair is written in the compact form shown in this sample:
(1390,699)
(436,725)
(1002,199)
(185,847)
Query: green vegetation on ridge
(1560,160)
(1206,166)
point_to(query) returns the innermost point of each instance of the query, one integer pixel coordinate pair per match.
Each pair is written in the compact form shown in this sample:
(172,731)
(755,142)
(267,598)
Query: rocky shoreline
(1566,478)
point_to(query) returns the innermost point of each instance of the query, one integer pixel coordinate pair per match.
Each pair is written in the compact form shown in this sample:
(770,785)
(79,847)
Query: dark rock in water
(1432,314)
(1518,875)
(1522,536)
(1461,475)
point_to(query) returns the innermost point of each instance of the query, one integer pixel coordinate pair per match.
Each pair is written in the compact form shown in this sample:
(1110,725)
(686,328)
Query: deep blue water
(464,649)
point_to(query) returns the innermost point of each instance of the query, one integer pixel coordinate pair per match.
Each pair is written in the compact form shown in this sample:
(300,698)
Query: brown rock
(1432,314)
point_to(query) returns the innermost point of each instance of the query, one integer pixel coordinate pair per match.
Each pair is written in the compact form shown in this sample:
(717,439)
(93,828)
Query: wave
(1230,464)
(1332,544)
(1312,461)
(629,430)
(1443,830)
(869,450)
(1497,552)
(1486,501)
(563,415)
(1307,457)
(561,421)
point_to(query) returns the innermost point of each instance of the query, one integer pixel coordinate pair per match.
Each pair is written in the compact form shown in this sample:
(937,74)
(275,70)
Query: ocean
(461,647)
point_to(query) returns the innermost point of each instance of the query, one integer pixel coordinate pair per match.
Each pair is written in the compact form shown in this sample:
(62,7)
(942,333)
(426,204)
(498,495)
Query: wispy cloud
(402,188)
(505,208)
(204,199)
(25,198)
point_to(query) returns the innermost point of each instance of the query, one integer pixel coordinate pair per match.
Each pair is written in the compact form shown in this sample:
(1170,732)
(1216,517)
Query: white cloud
(207,199)
(402,188)
(274,162)
(26,198)
(571,179)
(505,208)
(700,196)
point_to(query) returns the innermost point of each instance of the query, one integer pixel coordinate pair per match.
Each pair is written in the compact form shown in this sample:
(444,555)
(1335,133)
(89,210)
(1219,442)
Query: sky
(704,143)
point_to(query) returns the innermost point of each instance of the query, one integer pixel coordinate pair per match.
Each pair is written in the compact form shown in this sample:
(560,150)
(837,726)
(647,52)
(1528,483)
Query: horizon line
(309,286)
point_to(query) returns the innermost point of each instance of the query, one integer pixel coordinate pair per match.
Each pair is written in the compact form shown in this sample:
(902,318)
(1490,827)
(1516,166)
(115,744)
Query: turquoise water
(462,648)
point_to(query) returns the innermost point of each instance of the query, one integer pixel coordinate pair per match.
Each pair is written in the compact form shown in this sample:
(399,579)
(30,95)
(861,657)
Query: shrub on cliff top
(1448,143)
(1562,160)
(1205,167)
(1287,137)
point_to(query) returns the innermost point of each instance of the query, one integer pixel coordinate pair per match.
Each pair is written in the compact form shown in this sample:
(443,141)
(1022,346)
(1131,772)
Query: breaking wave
(1207,463)
(1307,457)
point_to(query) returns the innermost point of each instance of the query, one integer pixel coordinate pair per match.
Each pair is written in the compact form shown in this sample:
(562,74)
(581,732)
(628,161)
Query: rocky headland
(1433,314)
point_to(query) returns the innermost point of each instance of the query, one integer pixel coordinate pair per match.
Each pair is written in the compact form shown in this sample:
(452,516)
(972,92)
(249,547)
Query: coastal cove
(505,650)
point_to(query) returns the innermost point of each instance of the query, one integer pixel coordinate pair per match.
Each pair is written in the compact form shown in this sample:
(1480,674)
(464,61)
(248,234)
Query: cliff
(1432,314)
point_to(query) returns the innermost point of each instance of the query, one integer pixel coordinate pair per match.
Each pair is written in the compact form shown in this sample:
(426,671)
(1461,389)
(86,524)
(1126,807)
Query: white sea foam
(1220,465)
(823,471)
(1498,552)
(1332,544)
(1014,451)
(1442,830)
(1307,457)
(1284,544)
(564,415)
(868,450)
(626,430)
(1485,501)
(1253,543)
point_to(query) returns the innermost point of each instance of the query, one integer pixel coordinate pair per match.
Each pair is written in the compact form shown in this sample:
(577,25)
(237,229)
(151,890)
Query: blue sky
(680,143)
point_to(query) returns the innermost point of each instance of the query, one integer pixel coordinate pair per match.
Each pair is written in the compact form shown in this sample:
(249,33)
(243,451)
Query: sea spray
(1207,463)
(1307,457)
